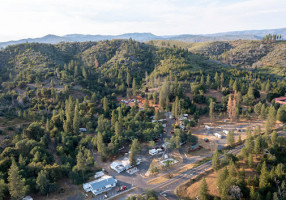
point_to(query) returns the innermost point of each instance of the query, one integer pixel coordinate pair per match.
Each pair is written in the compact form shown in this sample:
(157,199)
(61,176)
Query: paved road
(166,189)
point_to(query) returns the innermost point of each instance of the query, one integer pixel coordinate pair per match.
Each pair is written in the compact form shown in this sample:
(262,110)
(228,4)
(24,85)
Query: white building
(122,165)
(207,127)
(98,174)
(27,198)
(155,151)
(218,135)
(100,185)
(82,130)
(225,132)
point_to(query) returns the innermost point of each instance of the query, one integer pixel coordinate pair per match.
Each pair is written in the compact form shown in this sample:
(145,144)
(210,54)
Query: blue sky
(36,18)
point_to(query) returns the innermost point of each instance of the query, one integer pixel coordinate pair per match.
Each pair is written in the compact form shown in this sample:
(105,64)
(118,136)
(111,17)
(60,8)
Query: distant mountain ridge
(142,37)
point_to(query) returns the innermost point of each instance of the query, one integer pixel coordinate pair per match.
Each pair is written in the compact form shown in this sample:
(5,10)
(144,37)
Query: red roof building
(280,100)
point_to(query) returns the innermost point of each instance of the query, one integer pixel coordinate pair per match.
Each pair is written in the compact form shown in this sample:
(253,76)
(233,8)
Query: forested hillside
(48,92)
(267,56)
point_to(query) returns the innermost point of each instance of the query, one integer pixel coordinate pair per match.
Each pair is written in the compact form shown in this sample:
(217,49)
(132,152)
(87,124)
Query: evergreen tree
(263,178)
(263,112)
(105,104)
(16,183)
(215,160)
(134,87)
(146,103)
(81,162)
(252,193)
(221,79)
(120,116)
(76,120)
(100,144)
(257,108)
(250,161)
(134,150)
(230,138)
(272,116)
(42,182)
(211,111)
(202,82)
(128,79)
(203,190)
(216,79)
(113,118)
(257,146)
(274,137)
(117,129)
(208,81)
(235,86)
(222,176)
(84,74)
(239,139)
(167,104)
(3,188)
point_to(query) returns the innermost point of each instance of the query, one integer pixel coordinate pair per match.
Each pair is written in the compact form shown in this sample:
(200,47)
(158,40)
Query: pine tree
(222,176)
(215,160)
(84,74)
(257,146)
(267,86)
(100,144)
(202,82)
(250,161)
(105,104)
(113,118)
(263,112)
(249,143)
(216,79)
(3,187)
(257,108)
(263,178)
(230,138)
(117,128)
(167,103)
(235,86)
(81,162)
(229,106)
(221,79)
(43,182)
(272,116)
(203,190)
(274,137)
(208,81)
(239,139)
(232,170)
(134,150)
(146,103)
(134,87)
(120,116)
(275,196)
(16,183)
(252,193)
(211,111)
(128,79)
(76,120)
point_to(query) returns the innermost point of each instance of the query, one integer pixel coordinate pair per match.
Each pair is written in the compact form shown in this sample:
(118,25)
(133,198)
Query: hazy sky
(36,18)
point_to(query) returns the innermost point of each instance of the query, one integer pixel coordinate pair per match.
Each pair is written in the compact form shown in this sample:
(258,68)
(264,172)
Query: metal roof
(102,182)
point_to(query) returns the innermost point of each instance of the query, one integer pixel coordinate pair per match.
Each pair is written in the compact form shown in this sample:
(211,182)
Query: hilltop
(143,37)
(264,56)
